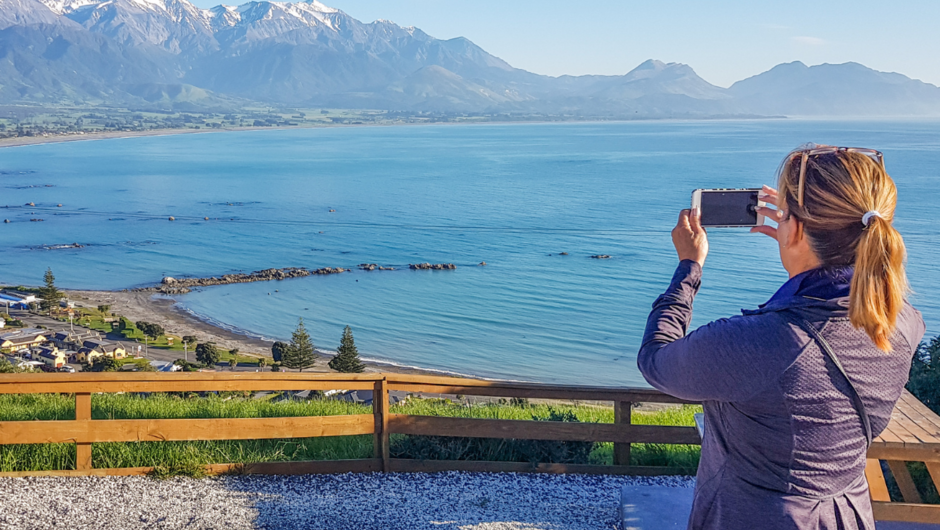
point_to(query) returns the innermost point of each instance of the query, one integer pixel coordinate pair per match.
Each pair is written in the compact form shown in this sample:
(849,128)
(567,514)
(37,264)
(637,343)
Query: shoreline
(23,141)
(162,309)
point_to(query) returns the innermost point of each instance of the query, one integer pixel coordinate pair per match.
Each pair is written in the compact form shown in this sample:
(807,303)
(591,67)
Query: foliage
(262,362)
(149,329)
(50,294)
(104,308)
(234,352)
(278,350)
(924,380)
(102,363)
(276,367)
(186,365)
(232,363)
(300,353)
(207,353)
(6,367)
(347,356)
(494,449)
(183,468)
(189,340)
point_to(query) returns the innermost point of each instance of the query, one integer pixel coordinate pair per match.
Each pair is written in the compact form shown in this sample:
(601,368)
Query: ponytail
(847,213)
(879,283)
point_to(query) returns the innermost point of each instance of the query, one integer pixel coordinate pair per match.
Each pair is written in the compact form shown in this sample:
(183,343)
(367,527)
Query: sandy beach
(79,137)
(161,309)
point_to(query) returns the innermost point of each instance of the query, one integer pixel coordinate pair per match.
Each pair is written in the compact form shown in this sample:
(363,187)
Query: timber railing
(84,431)
(913,435)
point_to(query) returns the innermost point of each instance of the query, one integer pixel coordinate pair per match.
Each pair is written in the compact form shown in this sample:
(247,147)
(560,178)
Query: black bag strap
(827,349)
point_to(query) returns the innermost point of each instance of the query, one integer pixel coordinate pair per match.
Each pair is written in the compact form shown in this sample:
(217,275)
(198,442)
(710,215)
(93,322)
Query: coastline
(23,141)
(162,309)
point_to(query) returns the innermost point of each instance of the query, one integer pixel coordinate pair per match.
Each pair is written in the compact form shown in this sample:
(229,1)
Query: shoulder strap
(827,349)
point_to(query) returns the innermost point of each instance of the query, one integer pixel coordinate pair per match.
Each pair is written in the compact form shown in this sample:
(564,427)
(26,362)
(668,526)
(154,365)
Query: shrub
(207,353)
(924,380)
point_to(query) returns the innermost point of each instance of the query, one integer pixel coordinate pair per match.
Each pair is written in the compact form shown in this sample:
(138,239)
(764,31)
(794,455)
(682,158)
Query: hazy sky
(723,40)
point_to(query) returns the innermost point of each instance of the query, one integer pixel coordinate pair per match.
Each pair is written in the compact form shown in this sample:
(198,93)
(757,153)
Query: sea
(532,201)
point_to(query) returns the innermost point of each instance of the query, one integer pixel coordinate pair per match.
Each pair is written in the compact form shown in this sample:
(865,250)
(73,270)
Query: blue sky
(724,41)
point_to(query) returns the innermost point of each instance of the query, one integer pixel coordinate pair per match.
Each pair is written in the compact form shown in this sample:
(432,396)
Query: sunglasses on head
(808,150)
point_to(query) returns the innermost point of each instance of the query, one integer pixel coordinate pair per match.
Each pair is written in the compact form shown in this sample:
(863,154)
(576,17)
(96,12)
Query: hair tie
(868,215)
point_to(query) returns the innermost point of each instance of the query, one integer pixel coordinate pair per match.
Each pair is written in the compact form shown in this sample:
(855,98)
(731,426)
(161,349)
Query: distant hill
(835,89)
(171,54)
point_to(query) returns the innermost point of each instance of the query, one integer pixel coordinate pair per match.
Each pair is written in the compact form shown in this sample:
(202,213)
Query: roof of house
(23,335)
(103,345)
(48,354)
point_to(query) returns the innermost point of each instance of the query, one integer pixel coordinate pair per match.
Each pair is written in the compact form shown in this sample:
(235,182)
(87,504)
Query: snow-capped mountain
(306,53)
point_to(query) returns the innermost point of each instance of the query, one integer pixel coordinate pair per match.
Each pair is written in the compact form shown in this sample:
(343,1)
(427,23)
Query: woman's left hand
(689,237)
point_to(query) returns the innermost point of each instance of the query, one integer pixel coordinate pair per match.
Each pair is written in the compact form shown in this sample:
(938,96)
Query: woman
(786,431)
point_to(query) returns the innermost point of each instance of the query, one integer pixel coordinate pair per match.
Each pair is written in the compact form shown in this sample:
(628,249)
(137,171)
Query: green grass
(180,456)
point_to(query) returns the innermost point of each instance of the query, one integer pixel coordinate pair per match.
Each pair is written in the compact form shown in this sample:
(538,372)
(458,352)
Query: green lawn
(239,405)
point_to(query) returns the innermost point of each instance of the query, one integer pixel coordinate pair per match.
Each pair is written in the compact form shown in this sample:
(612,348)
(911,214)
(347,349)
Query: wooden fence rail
(84,431)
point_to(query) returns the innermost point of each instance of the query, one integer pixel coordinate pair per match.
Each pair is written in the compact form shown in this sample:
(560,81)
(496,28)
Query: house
(23,339)
(52,357)
(74,339)
(86,355)
(19,296)
(115,350)
(163,366)
(364,397)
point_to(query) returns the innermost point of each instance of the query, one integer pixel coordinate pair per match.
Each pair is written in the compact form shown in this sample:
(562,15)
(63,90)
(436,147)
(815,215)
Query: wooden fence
(84,431)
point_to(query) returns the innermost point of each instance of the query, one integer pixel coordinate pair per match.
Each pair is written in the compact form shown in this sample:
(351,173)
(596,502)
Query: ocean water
(514,196)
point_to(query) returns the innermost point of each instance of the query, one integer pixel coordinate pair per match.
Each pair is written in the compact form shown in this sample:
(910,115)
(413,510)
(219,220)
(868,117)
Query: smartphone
(728,207)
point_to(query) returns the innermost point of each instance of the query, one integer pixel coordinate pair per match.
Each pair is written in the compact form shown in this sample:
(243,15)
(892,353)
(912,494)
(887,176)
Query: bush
(207,353)
(493,449)
(924,380)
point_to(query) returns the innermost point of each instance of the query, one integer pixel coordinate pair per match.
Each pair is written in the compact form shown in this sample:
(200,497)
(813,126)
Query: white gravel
(440,501)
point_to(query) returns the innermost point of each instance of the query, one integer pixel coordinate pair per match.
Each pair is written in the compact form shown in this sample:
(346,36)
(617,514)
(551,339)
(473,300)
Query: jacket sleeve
(726,360)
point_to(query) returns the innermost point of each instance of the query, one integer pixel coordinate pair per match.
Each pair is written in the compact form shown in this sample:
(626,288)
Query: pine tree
(347,356)
(49,294)
(300,353)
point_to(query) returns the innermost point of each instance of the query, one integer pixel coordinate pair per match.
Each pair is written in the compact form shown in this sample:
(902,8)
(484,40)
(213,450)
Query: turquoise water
(514,196)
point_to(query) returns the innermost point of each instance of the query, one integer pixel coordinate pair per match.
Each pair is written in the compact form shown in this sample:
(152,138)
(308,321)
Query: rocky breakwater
(374,267)
(430,267)
(184,285)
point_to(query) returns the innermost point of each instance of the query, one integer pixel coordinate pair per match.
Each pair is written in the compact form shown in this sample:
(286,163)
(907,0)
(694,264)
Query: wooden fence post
(622,416)
(877,487)
(380,409)
(902,476)
(83,413)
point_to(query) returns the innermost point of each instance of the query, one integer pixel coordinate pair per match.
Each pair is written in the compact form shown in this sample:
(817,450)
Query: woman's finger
(766,230)
(770,213)
(768,195)
(695,221)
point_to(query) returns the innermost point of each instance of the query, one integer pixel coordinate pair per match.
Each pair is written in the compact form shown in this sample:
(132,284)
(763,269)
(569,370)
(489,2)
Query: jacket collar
(823,287)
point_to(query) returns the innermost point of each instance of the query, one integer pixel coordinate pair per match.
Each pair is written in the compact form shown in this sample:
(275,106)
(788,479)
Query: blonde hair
(839,189)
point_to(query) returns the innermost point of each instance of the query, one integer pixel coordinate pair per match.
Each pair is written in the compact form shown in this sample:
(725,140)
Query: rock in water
(172,218)
(601,256)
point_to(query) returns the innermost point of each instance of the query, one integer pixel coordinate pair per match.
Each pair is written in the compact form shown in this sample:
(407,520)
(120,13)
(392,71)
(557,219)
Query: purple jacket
(784,447)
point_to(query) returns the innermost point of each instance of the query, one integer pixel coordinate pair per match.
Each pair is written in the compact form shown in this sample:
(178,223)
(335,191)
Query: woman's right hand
(775,214)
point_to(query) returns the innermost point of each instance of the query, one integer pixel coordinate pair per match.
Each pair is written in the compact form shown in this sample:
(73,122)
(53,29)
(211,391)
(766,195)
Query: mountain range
(169,53)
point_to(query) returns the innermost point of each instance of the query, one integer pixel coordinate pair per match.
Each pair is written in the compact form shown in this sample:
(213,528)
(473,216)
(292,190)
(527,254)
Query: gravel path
(442,501)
